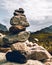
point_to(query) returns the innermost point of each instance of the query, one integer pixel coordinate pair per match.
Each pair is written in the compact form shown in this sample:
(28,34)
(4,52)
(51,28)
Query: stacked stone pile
(15,47)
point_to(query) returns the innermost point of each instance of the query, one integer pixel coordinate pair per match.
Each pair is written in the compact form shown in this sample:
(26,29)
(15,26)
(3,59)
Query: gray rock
(19,20)
(22,36)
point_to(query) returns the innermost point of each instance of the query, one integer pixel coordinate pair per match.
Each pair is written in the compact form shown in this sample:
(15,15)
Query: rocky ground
(42,55)
(29,62)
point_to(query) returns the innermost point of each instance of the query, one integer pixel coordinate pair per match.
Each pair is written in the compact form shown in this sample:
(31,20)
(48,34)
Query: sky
(38,12)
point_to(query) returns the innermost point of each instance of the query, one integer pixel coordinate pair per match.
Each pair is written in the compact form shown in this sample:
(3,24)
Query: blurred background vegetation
(45,40)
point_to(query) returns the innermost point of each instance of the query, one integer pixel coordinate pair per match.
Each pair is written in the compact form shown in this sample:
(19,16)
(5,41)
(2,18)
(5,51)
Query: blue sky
(38,12)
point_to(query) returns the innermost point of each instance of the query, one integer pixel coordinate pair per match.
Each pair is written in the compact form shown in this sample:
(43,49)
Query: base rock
(29,62)
(31,51)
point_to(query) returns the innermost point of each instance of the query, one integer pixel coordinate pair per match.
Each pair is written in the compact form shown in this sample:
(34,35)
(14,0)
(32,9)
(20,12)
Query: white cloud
(34,10)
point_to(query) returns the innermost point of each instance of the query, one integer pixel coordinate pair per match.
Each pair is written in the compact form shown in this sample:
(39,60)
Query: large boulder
(39,53)
(31,50)
(16,56)
(22,47)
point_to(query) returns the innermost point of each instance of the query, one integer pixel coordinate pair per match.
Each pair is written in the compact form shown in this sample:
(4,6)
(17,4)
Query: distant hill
(3,28)
(45,30)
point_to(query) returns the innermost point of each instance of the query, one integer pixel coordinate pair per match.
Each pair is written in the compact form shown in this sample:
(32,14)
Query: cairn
(21,49)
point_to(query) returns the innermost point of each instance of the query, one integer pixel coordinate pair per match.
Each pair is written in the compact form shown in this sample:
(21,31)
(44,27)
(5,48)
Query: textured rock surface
(14,38)
(48,63)
(39,53)
(29,62)
(1,39)
(16,56)
(2,57)
(33,51)
(21,46)
(30,44)
(2,49)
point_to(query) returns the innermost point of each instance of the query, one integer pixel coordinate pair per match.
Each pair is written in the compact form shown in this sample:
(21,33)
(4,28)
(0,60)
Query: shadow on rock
(16,56)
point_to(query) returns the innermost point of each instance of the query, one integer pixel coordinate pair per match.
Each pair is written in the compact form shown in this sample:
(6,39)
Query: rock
(39,53)
(19,19)
(48,63)
(48,60)
(15,29)
(34,62)
(23,36)
(13,38)
(24,46)
(37,47)
(4,50)
(29,62)
(36,39)
(33,52)
(16,56)
(2,57)
(1,39)
(30,44)
(21,46)
(35,44)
